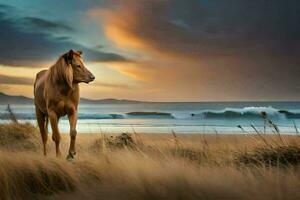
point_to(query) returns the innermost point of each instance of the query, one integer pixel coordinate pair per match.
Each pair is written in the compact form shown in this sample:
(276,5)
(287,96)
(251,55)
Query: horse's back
(39,86)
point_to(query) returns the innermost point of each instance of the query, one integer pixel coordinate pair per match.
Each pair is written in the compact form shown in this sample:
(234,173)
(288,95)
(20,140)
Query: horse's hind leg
(42,123)
(72,120)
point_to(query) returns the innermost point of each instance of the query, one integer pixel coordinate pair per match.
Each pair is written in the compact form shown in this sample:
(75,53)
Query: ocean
(203,117)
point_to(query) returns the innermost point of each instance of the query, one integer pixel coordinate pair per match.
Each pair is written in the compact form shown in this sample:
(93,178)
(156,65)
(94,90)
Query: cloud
(6,8)
(209,50)
(185,51)
(39,23)
(33,46)
(111,85)
(15,80)
(198,29)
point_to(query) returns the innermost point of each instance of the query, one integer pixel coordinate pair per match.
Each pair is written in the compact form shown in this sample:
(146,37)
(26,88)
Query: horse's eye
(78,66)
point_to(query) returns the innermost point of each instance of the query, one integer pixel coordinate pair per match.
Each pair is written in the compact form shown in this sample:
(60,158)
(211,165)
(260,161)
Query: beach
(149,166)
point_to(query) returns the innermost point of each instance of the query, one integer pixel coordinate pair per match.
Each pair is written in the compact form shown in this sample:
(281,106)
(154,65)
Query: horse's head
(77,72)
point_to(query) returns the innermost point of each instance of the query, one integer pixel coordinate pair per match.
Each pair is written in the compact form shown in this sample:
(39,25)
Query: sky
(158,50)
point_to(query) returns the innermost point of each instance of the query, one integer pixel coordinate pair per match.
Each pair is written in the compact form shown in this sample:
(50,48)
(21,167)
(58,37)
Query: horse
(56,94)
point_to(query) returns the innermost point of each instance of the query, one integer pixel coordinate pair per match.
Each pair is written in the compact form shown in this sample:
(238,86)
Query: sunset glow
(158,50)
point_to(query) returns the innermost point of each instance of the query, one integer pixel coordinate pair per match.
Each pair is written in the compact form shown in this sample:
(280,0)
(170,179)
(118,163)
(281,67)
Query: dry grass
(281,156)
(145,166)
(19,137)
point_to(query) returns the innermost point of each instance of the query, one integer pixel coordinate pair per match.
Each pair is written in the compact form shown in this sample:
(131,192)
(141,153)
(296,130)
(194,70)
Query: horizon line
(147,101)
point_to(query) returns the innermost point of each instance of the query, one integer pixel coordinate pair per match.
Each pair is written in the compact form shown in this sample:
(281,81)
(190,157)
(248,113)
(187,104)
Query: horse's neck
(56,78)
(64,89)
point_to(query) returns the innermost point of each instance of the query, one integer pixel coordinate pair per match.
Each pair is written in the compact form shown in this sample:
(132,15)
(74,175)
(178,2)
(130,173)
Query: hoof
(71,156)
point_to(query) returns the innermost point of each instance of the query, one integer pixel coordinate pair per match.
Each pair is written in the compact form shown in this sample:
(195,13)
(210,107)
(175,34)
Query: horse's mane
(61,71)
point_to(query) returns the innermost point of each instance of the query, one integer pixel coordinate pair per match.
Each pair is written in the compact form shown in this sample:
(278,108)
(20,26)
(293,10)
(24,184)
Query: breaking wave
(227,113)
(150,115)
(247,112)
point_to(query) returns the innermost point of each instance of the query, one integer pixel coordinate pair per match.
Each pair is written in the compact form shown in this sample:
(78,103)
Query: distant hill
(9,99)
(108,101)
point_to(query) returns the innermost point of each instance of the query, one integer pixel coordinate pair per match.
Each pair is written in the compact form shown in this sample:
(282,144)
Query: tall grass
(141,166)
(19,137)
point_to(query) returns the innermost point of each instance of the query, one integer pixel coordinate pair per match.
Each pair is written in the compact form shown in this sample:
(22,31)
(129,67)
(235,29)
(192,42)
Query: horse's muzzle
(90,78)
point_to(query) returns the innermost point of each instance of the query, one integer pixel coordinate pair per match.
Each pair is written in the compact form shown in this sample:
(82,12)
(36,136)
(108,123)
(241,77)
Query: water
(209,117)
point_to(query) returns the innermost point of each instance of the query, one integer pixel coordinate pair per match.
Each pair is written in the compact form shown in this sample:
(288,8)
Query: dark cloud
(233,50)
(38,23)
(96,56)
(5,8)
(28,48)
(62,38)
(213,28)
(15,80)
(196,49)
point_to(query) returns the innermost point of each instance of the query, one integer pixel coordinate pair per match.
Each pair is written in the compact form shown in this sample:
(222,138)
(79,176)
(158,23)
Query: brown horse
(56,94)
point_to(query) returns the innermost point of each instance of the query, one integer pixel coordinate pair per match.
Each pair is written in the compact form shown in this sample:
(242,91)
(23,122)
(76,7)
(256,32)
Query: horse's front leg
(73,121)
(55,132)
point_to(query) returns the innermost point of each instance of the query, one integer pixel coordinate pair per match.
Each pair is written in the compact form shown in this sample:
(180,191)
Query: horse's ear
(69,56)
(69,75)
(79,52)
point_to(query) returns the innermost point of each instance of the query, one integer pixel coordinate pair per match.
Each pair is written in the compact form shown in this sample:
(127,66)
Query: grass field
(149,166)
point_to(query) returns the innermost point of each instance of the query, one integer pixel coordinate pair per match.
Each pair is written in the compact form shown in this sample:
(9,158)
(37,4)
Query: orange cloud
(115,27)
(118,25)
(196,59)
(134,26)
(133,70)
